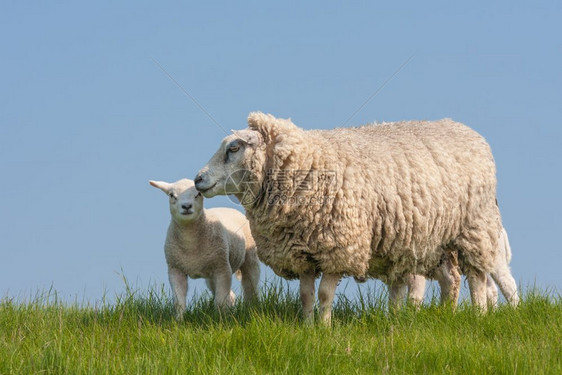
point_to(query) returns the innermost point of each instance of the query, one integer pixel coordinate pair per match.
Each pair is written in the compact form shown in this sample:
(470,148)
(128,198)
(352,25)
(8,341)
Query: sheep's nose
(186,206)
(198,180)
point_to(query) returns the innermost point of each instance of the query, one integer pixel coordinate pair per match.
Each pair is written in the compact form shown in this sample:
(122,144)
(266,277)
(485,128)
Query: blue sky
(87,117)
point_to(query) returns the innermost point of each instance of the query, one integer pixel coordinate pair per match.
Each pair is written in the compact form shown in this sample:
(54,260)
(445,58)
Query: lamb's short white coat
(210,244)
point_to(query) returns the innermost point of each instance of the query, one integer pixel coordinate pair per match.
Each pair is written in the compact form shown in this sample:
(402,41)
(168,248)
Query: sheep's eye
(232,148)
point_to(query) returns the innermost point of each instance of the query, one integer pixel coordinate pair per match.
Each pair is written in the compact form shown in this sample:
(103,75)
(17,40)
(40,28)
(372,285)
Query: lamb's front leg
(222,280)
(326,292)
(178,282)
(307,296)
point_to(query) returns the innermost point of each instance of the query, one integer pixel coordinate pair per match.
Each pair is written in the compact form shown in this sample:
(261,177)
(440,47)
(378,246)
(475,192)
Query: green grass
(138,335)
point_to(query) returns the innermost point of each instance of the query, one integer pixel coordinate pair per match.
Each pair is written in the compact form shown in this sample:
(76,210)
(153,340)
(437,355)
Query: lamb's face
(234,167)
(186,203)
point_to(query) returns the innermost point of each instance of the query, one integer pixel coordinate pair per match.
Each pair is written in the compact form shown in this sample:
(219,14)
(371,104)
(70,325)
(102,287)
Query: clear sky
(87,117)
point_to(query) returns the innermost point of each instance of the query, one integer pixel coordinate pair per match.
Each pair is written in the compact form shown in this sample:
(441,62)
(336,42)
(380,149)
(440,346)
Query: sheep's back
(400,193)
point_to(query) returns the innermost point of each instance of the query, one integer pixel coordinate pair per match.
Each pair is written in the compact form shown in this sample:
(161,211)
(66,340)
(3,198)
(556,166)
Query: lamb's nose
(186,206)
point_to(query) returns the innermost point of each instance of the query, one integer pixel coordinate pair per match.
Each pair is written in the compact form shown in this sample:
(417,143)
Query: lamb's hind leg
(211,285)
(307,296)
(326,292)
(250,270)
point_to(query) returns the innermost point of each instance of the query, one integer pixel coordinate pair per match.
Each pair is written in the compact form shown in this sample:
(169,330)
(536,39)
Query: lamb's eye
(198,195)
(172,196)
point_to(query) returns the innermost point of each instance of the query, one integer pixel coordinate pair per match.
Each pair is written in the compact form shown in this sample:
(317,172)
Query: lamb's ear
(270,127)
(164,186)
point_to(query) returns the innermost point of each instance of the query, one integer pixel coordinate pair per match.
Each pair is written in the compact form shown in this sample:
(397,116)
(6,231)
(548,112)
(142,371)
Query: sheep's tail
(504,240)
(238,273)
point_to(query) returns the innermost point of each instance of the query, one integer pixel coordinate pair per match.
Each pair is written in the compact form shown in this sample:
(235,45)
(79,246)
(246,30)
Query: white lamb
(212,244)
(382,200)
(448,277)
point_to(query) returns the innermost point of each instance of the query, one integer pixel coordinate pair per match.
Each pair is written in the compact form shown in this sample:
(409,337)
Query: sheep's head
(235,168)
(240,164)
(186,203)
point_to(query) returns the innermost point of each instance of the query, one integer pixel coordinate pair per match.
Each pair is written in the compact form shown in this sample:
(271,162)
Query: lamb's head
(186,203)
(240,164)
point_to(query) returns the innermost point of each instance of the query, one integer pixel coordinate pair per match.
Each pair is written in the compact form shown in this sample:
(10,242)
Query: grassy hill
(138,335)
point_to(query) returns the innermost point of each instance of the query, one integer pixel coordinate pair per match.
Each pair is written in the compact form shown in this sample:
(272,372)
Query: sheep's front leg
(222,280)
(326,292)
(416,289)
(178,282)
(396,294)
(307,296)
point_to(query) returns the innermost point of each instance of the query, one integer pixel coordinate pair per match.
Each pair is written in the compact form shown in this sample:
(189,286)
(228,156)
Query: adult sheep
(383,200)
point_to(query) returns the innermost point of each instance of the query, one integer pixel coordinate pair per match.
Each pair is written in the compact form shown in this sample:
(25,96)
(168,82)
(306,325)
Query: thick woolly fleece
(381,200)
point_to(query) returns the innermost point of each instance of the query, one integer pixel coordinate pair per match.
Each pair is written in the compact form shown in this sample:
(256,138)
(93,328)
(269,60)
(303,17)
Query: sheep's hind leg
(491,292)
(449,278)
(326,292)
(478,246)
(477,284)
(307,296)
(502,276)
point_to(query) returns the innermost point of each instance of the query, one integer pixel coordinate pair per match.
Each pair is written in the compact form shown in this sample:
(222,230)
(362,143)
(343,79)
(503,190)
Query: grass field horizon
(137,334)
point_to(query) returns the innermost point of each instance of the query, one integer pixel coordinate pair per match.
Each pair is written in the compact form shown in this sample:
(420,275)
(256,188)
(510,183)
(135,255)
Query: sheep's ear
(164,186)
(252,138)
(270,127)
